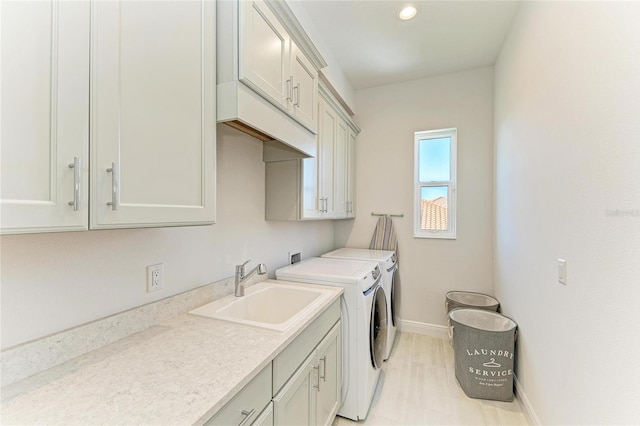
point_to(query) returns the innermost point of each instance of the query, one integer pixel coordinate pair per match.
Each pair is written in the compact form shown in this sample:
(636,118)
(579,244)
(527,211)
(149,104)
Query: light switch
(562,271)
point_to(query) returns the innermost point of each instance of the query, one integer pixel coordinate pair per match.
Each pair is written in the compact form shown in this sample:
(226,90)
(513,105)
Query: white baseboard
(426,329)
(525,404)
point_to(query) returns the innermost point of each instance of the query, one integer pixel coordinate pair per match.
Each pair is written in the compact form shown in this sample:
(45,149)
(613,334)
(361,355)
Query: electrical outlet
(155,280)
(294,257)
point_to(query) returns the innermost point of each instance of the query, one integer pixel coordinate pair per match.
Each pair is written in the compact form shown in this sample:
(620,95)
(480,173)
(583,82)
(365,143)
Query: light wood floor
(418,387)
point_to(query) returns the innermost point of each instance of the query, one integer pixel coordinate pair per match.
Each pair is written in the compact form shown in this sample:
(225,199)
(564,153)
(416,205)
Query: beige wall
(51,282)
(567,154)
(388,116)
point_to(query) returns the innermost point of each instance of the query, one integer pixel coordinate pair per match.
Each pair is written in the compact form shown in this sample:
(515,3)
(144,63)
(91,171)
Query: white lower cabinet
(295,404)
(247,405)
(301,386)
(329,355)
(266,417)
(312,395)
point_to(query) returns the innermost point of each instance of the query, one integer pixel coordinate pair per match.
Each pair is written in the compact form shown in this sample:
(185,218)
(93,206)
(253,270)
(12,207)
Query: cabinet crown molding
(337,106)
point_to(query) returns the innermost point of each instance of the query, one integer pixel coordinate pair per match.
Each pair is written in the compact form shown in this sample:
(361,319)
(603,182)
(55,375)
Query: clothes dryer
(388,262)
(364,323)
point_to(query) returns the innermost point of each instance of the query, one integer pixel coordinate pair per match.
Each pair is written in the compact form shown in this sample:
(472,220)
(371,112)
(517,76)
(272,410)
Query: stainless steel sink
(271,305)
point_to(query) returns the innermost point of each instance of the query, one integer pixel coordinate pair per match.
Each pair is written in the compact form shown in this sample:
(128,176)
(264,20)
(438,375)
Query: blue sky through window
(433,192)
(435,160)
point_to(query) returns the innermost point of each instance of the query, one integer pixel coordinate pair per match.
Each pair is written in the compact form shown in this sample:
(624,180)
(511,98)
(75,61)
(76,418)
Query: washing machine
(364,323)
(388,262)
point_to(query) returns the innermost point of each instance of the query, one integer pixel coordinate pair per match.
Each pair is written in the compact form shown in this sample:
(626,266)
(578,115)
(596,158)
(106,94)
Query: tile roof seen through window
(434,214)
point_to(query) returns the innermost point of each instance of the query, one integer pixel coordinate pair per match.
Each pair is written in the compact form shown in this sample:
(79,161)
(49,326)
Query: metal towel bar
(387,214)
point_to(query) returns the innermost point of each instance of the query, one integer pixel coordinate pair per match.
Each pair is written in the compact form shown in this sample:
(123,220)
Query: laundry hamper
(483,346)
(467,299)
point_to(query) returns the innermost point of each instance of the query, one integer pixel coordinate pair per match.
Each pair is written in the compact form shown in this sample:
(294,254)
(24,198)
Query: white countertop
(179,372)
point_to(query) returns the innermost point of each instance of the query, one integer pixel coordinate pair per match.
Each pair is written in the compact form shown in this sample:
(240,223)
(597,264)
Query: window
(435,184)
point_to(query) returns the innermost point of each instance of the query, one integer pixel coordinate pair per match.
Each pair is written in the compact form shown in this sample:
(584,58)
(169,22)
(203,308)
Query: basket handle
(450,330)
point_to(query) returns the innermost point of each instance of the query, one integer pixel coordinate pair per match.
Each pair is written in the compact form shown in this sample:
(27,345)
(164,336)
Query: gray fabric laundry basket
(483,346)
(467,299)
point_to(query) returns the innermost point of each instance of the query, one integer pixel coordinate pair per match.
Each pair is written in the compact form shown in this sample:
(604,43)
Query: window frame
(451,184)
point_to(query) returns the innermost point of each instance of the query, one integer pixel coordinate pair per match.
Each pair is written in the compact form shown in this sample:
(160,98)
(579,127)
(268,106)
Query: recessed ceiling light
(407,12)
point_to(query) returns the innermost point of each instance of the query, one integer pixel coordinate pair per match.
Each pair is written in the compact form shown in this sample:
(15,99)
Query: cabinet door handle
(290,89)
(115,186)
(324,369)
(317,368)
(297,90)
(77,183)
(247,415)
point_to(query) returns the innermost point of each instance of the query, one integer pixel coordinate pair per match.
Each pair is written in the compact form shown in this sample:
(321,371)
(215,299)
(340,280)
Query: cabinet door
(304,102)
(295,404)
(153,113)
(45,116)
(311,203)
(264,53)
(351,174)
(326,146)
(266,417)
(330,376)
(340,172)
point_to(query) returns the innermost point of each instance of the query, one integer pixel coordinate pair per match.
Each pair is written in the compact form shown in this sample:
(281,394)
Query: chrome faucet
(241,277)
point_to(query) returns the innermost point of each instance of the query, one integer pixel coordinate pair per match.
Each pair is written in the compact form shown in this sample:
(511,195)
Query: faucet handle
(240,268)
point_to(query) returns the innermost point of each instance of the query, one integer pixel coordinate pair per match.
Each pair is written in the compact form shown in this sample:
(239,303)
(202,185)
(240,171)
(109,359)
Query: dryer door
(378,327)
(394,272)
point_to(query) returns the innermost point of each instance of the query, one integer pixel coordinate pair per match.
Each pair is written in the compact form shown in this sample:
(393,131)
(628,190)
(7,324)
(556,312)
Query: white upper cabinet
(341,162)
(264,53)
(312,205)
(131,83)
(321,187)
(304,89)
(45,116)
(153,114)
(351,173)
(326,157)
(336,160)
(273,65)
(267,74)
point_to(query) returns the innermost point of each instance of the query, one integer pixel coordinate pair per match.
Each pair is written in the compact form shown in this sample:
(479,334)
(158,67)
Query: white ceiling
(374,47)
